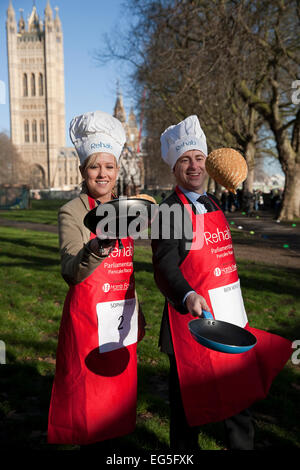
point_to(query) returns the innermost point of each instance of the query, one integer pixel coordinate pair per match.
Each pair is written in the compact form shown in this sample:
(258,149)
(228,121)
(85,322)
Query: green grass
(41,212)
(32,293)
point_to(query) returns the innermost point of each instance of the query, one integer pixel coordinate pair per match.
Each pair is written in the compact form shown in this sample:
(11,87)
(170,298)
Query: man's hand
(195,304)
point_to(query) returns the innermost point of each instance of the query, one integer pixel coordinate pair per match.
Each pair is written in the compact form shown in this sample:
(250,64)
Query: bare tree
(12,169)
(231,63)
(277,47)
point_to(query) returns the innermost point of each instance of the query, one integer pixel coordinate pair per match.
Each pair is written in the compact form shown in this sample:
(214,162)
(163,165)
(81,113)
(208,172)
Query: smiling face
(190,171)
(100,174)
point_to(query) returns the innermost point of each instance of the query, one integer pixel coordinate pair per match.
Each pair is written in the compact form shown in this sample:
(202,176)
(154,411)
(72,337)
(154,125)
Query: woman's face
(100,175)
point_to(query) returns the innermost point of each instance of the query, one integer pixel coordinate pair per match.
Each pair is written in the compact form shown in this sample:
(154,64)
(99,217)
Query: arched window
(34,131)
(25,85)
(41,85)
(42,131)
(32,84)
(26,130)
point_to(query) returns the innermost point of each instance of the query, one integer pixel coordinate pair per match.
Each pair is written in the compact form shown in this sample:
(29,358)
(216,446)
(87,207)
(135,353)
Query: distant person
(278,199)
(36,195)
(225,200)
(261,201)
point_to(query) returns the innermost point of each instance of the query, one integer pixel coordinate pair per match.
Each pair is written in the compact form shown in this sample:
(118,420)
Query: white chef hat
(95,132)
(184,136)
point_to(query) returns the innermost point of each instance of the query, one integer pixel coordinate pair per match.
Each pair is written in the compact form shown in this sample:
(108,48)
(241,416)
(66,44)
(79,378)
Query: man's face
(190,171)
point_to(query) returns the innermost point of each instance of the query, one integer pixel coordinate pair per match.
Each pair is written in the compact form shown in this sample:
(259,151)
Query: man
(195,269)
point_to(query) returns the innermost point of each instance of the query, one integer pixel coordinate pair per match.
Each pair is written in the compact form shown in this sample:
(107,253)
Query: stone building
(36,89)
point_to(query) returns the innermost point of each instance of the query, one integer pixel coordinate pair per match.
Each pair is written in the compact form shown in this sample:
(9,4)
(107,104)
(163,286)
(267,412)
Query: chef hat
(178,139)
(97,131)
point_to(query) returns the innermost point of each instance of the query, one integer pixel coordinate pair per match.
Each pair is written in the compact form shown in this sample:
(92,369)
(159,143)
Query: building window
(25,85)
(42,130)
(26,130)
(32,84)
(41,85)
(34,131)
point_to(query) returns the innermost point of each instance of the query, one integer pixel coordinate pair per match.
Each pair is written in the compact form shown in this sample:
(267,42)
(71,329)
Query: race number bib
(117,324)
(228,305)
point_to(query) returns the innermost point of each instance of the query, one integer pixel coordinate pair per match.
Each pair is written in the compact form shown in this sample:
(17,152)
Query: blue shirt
(201,209)
(192,196)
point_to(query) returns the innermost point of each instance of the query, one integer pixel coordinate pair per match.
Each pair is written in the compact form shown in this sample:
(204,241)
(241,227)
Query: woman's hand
(195,303)
(103,248)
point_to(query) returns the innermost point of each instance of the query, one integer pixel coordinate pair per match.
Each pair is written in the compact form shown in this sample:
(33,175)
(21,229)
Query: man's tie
(207,202)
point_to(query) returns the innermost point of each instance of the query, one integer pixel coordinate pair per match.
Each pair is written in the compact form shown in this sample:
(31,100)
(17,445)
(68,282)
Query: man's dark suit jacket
(168,254)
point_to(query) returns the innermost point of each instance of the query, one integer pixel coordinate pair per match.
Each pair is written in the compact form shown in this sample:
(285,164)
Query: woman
(94,391)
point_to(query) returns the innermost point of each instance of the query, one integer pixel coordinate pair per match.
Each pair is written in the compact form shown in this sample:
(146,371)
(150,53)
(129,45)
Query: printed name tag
(228,305)
(117,324)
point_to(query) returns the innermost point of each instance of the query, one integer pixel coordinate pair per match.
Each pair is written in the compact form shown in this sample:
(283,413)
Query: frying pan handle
(207,314)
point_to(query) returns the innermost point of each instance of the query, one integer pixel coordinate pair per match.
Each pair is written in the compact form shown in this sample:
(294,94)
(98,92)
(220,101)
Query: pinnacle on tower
(33,20)
(48,12)
(10,11)
(119,110)
(132,118)
(57,18)
(21,23)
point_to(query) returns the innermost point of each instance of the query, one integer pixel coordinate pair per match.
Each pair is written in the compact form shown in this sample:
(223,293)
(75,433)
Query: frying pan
(113,219)
(220,335)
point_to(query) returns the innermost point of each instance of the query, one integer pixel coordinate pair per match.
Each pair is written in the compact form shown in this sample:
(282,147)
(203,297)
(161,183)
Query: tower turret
(21,24)
(11,24)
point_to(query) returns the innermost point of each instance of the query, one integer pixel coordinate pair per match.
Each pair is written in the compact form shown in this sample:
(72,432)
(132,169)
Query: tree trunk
(291,168)
(291,198)
(250,158)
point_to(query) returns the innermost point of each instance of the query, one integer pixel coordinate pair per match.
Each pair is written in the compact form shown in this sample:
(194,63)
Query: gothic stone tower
(36,90)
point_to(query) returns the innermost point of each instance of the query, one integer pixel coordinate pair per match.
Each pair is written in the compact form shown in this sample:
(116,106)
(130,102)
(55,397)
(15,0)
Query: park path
(264,240)
(261,238)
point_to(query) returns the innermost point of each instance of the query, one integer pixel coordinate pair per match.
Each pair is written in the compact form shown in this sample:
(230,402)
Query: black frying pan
(220,335)
(117,217)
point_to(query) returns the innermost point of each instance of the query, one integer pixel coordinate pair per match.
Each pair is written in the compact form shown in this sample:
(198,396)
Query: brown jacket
(77,260)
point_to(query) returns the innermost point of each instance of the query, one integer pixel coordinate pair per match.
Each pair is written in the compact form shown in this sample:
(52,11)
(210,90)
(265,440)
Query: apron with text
(95,387)
(216,385)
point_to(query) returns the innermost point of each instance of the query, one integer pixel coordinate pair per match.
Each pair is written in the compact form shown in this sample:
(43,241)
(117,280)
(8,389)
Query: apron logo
(106,287)
(217,272)
(218,236)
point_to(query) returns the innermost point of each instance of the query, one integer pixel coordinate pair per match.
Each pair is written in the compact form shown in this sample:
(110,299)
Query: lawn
(41,212)
(32,294)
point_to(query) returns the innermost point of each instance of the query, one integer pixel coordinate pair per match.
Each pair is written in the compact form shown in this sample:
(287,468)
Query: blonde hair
(90,161)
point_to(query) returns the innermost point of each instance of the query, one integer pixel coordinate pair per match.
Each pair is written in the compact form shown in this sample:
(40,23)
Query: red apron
(216,385)
(95,387)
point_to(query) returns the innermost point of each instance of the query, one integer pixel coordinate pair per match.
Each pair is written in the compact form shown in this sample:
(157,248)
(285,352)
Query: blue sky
(87,85)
